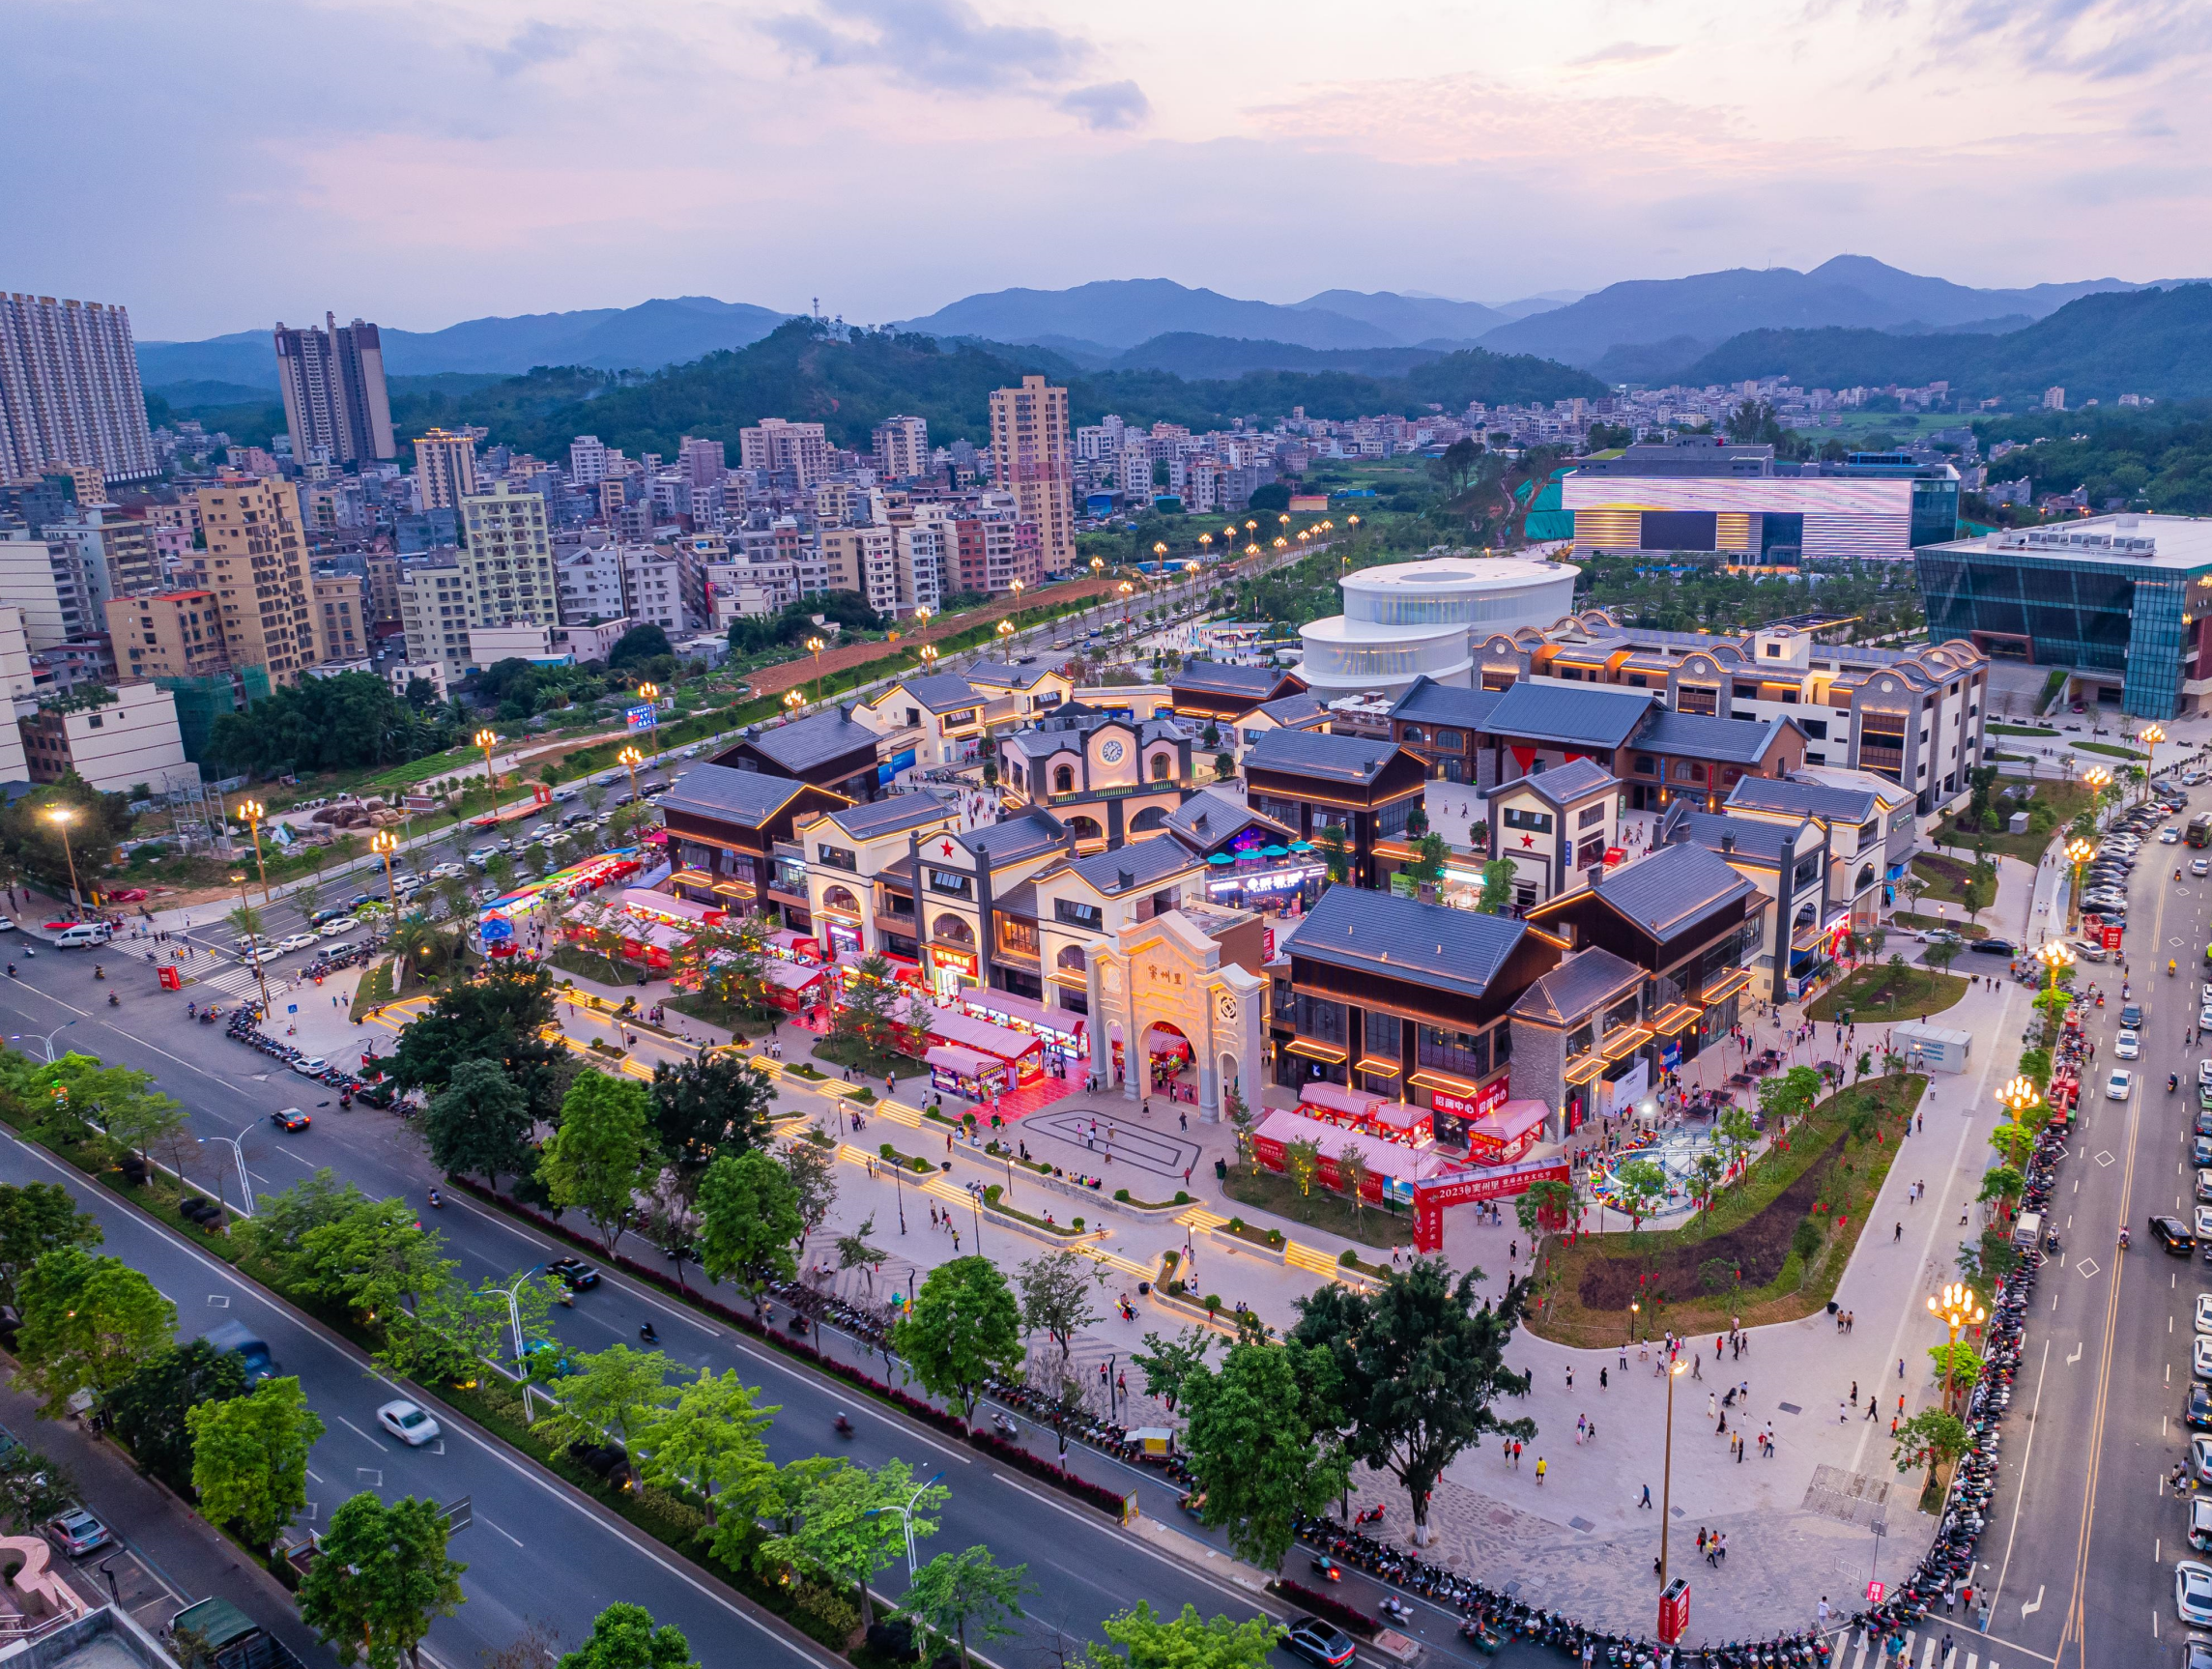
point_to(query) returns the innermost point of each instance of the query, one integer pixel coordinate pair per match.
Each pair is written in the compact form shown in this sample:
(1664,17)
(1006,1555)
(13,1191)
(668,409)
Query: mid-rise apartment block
(114,745)
(334,399)
(865,561)
(37,578)
(774,444)
(256,564)
(702,462)
(506,558)
(341,618)
(586,460)
(433,613)
(445,469)
(902,448)
(69,390)
(656,582)
(1030,459)
(587,584)
(168,635)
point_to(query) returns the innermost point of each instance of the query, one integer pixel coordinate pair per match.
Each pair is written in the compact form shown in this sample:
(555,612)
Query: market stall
(792,986)
(968,1073)
(1022,1055)
(1391,1166)
(1353,1109)
(1506,1133)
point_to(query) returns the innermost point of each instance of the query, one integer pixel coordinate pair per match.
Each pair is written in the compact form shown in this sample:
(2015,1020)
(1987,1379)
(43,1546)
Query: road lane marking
(359,1432)
(481,1519)
(2029,1608)
(2070,1360)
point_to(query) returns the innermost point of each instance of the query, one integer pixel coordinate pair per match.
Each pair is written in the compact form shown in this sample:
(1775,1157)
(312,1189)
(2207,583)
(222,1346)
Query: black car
(573,1273)
(377,1094)
(1318,1642)
(1992,947)
(2173,1234)
(357,901)
(291,1118)
(323,916)
(2197,1414)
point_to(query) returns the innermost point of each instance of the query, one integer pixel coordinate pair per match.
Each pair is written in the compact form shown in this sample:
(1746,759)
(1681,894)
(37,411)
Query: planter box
(1275,1254)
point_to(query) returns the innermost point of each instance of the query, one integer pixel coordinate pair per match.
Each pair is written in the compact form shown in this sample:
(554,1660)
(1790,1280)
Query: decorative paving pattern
(1847,1497)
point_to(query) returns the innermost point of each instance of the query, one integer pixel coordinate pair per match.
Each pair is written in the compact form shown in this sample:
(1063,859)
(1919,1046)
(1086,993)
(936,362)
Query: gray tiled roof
(1137,867)
(1577,715)
(1429,703)
(814,741)
(1293,711)
(1756,840)
(1739,741)
(939,692)
(894,815)
(1317,754)
(1223,817)
(1582,982)
(1032,832)
(1025,674)
(1805,799)
(1379,932)
(1574,779)
(747,799)
(1666,891)
(1225,679)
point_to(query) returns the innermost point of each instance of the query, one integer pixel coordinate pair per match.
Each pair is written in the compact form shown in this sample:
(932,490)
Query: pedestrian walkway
(1917,1650)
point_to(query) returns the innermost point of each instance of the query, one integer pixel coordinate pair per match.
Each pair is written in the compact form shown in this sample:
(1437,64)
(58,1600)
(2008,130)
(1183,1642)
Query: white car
(2204,1307)
(411,1424)
(2169,836)
(293,941)
(259,958)
(252,941)
(2193,1591)
(2119,1087)
(2127,1045)
(344,924)
(310,1066)
(2204,1223)
(445,871)
(2205,1017)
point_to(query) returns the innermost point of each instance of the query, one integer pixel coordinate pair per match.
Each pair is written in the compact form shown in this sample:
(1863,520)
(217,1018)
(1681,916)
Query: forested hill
(809,374)
(2154,342)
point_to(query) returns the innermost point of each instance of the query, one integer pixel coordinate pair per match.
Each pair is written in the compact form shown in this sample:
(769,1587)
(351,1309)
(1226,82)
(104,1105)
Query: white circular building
(1410,618)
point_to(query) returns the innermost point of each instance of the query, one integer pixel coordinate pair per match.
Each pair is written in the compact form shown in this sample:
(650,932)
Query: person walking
(1541,1465)
(1646,1503)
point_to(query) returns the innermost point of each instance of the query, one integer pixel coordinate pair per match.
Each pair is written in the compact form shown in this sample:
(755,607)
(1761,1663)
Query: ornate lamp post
(487,739)
(1675,1371)
(630,759)
(794,700)
(1957,1308)
(2017,1096)
(2054,956)
(2078,851)
(2151,736)
(253,811)
(61,814)
(384,843)
(815,645)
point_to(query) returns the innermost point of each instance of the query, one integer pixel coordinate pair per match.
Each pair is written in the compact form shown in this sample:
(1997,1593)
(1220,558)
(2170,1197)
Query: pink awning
(1355,1104)
(1383,1157)
(962,1062)
(643,901)
(966,1032)
(790,975)
(1511,1121)
(1399,1115)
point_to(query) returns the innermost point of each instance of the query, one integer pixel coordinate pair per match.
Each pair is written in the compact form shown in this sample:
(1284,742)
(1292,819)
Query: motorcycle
(1004,1426)
(842,1425)
(114,1001)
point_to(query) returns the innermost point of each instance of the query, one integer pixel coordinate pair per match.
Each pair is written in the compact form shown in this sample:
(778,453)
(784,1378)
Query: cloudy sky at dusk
(216,167)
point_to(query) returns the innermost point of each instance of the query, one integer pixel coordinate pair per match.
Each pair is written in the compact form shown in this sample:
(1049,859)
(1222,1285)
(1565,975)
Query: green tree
(1352,1175)
(479,1123)
(1640,1189)
(33,1220)
(88,1324)
(375,1257)
(601,1155)
(624,1636)
(1420,1363)
(1057,1291)
(1931,1438)
(1976,894)
(1429,854)
(383,1576)
(1302,1159)
(250,1458)
(148,1411)
(32,1489)
(1263,1444)
(1958,1367)
(500,1015)
(613,1392)
(749,1217)
(2001,1183)
(1186,1642)
(1497,886)
(1546,1206)
(278,1228)
(845,1531)
(813,1173)
(954,1590)
(702,1110)
(710,1440)
(1941,954)
(964,1327)
(1336,854)
(879,1016)
(1168,1365)
(2016,1142)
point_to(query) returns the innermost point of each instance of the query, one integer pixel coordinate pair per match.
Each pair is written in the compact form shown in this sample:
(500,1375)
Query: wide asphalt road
(540,1550)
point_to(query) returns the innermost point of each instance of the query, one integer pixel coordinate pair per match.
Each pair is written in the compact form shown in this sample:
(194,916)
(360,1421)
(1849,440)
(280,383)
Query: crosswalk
(1867,1651)
(237,981)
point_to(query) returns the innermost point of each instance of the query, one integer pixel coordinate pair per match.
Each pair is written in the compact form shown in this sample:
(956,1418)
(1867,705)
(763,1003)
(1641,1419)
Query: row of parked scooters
(244,1026)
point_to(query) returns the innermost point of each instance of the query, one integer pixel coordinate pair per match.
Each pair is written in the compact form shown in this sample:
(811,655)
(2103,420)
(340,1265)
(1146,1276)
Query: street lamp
(2054,956)
(2096,779)
(2017,1096)
(815,645)
(384,843)
(1958,1309)
(650,692)
(1635,1314)
(1675,1371)
(514,1323)
(488,739)
(794,700)
(2078,851)
(2151,736)
(906,1518)
(253,811)
(61,814)
(254,942)
(630,759)
(244,1187)
(47,1040)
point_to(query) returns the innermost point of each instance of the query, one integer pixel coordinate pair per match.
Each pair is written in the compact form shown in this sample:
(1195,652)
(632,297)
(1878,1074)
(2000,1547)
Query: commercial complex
(1700,493)
(69,390)
(1407,621)
(2118,604)
(334,399)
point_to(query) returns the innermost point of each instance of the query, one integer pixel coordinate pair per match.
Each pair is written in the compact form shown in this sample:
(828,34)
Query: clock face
(1225,1006)
(1111,751)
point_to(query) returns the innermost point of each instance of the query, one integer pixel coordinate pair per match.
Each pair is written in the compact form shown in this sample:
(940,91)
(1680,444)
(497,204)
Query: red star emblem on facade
(1527,840)
(946,848)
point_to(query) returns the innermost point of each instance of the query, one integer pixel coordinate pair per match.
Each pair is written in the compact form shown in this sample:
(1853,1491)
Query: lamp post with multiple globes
(2078,851)
(60,816)
(1958,1309)
(253,811)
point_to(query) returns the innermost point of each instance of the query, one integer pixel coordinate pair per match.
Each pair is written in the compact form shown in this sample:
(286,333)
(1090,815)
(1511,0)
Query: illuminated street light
(1957,1308)
(61,815)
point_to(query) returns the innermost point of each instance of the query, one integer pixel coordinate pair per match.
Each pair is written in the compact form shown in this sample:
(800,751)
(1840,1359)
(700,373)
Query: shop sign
(958,961)
(1485,1101)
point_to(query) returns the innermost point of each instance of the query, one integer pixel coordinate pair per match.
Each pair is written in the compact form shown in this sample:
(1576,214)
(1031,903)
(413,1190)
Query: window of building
(1462,1053)
(1075,913)
(1746,692)
(1697,698)
(1413,733)
(1688,771)
(951,881)
(1391,820)
(1451,742)
(1380,1034)
(1591,815)
(1319,1018)
(1535,822)
(1063,779)
(1017,936)
(1162,764)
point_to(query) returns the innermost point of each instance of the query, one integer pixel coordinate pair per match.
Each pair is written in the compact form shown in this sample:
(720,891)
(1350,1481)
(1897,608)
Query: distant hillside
(1119,313)
(644,337)
(1216,357)
(1849,292)
(802,372)
(1408,318)
(2156,342)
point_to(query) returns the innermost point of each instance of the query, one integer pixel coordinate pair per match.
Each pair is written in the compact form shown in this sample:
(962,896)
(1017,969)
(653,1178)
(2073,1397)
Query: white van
(83,933)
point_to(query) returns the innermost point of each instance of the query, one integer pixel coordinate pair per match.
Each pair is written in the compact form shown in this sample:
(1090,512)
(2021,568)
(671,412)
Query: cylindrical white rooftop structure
(1410,618)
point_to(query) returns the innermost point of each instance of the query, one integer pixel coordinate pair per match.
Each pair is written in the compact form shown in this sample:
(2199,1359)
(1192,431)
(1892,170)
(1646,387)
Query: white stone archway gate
(1167,969)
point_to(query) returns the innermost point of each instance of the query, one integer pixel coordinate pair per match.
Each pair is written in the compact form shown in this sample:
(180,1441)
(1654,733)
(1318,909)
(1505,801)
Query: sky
(217,167)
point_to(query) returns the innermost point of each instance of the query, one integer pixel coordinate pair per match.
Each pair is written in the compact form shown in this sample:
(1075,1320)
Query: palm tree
(414,940)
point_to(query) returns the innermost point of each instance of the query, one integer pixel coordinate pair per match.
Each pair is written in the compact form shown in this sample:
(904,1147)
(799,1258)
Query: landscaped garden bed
(1773,1247)
(1889,992)
(1271,1191)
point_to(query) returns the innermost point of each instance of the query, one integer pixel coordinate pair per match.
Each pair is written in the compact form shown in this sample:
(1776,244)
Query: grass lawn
(375,989)
(1738,1258)
(737,1021)
(872,1062)
(592,965)
(1883,992)
(2068,799)
(1947,878)
(2113,748)
(1275,1192)
(2043,731)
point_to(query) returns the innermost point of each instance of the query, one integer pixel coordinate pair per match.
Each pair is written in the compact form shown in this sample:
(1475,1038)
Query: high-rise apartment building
(586,460)
(1029,458)
(507,560)
(703,463)
(69,390)
(341,618)
(434,611)
(39,581)
(803,448)
(445,469)
(257,567)
(335,398)
(902,448)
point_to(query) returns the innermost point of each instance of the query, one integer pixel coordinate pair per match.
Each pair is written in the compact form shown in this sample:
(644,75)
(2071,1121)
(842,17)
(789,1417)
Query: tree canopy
(381,1580)
(499,1016)
(328,724)
(89,1323)
(250,1458)
(479,1123)
(601,1154)
(963,1329)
